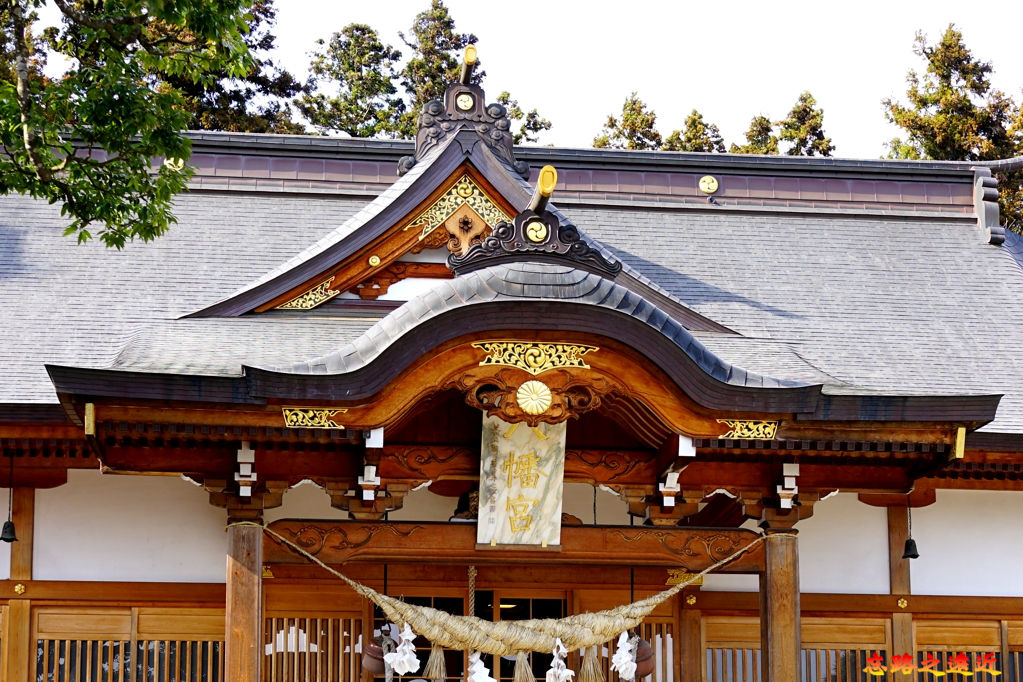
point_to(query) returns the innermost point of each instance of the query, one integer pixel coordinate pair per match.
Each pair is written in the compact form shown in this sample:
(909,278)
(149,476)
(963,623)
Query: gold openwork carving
(534,357)
(312,417)
(465,193)
(312,298)
(745,428)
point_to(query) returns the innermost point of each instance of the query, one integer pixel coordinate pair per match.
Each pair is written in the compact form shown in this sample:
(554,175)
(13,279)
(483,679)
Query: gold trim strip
(751,429)
(312,417)
(533,357)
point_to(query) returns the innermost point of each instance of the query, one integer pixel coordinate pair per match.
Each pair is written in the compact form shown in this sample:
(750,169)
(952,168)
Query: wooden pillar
(244,618)
(692,637)
(899,579)
(14,664)
(23,515)
(779,608)
(898,533)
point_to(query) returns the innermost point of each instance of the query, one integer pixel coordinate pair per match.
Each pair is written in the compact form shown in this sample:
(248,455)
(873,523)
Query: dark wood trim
(747,603)
(119,592)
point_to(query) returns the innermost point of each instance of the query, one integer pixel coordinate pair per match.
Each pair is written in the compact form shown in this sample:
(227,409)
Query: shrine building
(537,386)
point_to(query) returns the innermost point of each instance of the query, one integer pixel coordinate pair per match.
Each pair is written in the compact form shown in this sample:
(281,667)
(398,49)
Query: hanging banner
(522,470)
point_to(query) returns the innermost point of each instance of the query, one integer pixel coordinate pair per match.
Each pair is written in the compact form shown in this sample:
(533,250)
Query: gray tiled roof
(859,303)
(64,303)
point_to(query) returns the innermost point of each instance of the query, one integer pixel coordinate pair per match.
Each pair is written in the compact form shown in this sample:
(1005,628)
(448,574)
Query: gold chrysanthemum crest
(534,397)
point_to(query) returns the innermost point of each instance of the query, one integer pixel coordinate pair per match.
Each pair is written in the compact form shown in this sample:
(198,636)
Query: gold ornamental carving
(312,417)
(496,392)
(464,193)
(534,357)
(677,576)
(320,293)
(533,397)
(750,429)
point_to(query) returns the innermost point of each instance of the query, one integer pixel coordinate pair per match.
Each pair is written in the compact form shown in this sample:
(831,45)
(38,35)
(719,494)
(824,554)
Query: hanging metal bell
(910,551)
(644,659)
(7,534)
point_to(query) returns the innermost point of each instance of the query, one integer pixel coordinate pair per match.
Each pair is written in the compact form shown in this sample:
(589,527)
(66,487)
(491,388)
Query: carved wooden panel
(339,542)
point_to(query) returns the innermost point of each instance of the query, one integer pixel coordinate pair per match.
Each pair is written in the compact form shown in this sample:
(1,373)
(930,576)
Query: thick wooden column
(692,636)
(899,579)
(779,608)
(898,533)
(23,515)
(244,618)
(14,664)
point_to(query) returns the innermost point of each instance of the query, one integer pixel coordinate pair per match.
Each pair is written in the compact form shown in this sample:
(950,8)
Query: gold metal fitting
(19,588)
(903,603)
(374,261)
(691,599)
(469,56)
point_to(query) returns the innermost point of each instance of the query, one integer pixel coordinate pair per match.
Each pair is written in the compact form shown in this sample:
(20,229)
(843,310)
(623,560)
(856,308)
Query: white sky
(577,61)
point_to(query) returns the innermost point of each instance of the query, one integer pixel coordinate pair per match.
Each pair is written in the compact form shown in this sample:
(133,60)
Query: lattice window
(128,644)
(307,649)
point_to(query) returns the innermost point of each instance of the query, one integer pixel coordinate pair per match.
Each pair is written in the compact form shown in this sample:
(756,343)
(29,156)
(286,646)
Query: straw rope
(504,638)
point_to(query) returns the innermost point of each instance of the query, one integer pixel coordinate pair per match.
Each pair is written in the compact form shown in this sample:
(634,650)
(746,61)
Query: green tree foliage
(634,129)
(361,71)
(760,138)
(532,123)
(803,129)
(87,140)
(954,113)
(696,136)
(258,101)
(358,90)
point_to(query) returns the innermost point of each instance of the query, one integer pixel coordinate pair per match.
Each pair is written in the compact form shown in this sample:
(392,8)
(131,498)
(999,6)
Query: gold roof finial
(468,64)
(545,183)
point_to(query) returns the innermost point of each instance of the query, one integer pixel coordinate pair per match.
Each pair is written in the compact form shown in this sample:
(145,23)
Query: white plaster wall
(304,501)
(970,544)
(128,528)
(5,548)
(577,500)
(843,547)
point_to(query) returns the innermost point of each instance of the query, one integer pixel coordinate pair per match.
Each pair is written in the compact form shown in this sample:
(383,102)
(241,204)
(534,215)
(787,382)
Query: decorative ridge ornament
(462,107)
(749,429)
(534,357)
(538,234)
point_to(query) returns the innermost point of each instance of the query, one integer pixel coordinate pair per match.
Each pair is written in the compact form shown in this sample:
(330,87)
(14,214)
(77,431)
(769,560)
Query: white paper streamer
(478,670)
(624,660)
(404,660)
(558,671)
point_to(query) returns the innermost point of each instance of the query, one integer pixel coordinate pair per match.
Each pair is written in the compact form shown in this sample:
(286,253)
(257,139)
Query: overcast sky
(577,61)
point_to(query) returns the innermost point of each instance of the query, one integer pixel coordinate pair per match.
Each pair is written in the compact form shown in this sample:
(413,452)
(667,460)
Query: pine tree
(760,138)
(696,136)
(955,114)
(360,71)
(803,129)
(634,130)
(436,52)
(532,123)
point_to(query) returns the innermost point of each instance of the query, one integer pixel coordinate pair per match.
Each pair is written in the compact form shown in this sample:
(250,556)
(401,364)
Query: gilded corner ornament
(746,428)
(320,293)
(677,576)
(465,192)
(312,417)
(534,357)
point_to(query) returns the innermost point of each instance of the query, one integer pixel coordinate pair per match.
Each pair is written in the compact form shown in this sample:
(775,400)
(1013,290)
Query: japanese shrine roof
(895,293)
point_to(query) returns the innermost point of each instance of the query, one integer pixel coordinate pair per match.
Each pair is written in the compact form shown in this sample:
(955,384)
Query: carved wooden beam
(693,549)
